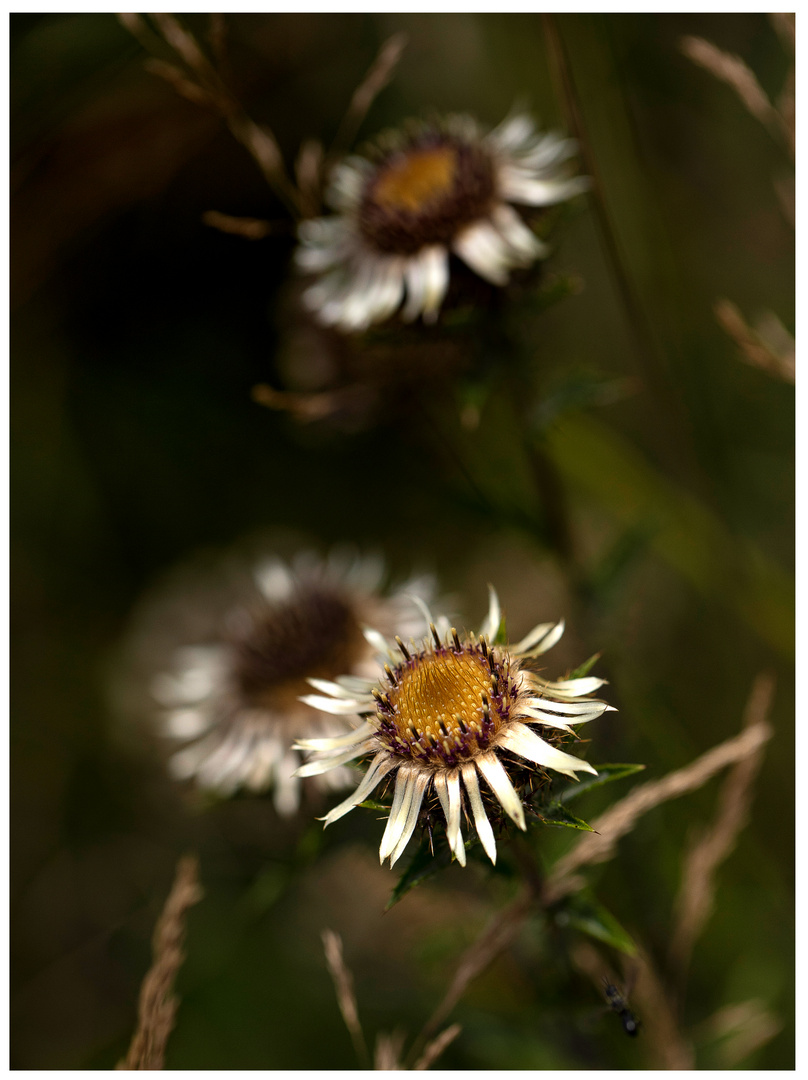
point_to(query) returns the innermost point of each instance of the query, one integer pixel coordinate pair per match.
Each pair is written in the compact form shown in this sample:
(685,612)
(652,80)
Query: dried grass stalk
(780,361)
(740,1029)
(697,894)
(735,73)
(434,1050)
(249,228)
(176,78)
(134,23)
(671,1049)
(785,23)
(496,937)
(309,175)
(343,985)
(388,1052)
(157,1006)
(378,76)
(184,43)
(600,845)
(785,189)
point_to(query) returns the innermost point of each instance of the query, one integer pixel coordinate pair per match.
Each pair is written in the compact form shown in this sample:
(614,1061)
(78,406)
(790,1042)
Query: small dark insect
(631,1025)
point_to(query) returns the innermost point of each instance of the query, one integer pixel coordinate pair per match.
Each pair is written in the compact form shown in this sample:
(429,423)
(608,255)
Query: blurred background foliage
(138,334)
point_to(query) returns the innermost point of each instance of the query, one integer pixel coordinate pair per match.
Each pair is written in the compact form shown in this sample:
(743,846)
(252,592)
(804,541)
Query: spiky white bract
(445,714)
(235,702)
(448,188)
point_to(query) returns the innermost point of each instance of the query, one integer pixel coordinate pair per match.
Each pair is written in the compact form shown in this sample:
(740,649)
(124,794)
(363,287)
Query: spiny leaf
(556,814)
(584,668)
(606,773)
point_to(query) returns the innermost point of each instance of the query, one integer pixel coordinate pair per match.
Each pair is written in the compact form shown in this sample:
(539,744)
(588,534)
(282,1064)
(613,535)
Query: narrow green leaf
(584,913)
(556,814)
(369,804)
(606,773)
(584,668)
(687,533)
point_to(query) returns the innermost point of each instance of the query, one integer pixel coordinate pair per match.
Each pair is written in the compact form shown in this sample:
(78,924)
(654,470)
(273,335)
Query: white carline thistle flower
(442,188)
(441,716)
(235,702)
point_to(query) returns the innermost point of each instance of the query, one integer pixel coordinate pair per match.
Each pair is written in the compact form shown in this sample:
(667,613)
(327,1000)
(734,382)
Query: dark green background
(137,336)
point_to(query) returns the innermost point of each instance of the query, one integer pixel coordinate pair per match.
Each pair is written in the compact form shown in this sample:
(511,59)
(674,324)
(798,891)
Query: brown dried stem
(434,1050)
(204,85)
(343,985)
(496,937)
(387,1057)
(697,893)
(780,362)
(673,1050)
(157,1006)
(599,846)
(733,71)
(249,228)
(379,75)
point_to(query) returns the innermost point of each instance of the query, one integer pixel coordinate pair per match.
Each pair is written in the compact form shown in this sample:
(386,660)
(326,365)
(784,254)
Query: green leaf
(687,533)
(605,579)
(369,804)
(584,913)
(556,814)
(584,668)
(501,636)
(606,773)
(423,866)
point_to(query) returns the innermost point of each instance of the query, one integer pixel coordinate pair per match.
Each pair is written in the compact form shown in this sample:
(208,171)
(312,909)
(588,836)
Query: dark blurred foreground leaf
(583,912)
(422,866)
(606,773)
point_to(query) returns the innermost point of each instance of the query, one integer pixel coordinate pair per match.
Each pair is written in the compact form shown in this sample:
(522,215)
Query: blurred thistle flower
(430,190)
(236,702)
(448,711)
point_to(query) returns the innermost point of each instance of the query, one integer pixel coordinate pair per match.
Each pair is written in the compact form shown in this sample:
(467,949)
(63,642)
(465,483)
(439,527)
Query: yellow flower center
(443,706)
(418,179)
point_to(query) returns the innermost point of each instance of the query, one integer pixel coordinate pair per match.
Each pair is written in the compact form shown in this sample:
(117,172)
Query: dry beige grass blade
(785,189)
(697,894)
(600,845)
(787,107)
(434,1050)
(388,1052)
(249,228)
(378,76)
(217,36)
(735,73)
(184,87)
(185,45)
(739,1030)
(205,86)
(135,24)
(671,1049)
(309,175)
(785,23)
(343,985)
(780,362)
(497,936)
(157,1006)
